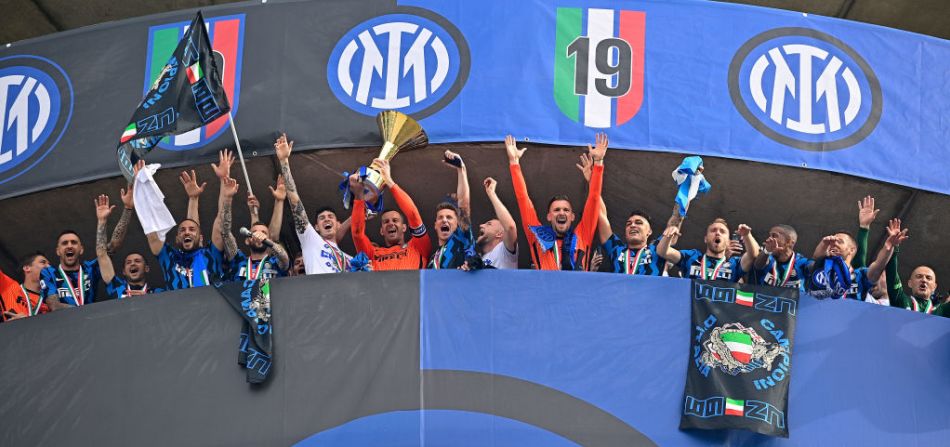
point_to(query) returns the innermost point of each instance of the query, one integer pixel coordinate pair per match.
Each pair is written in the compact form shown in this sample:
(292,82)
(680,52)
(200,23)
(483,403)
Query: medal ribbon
(337,257)
(251,274)
(128,288)
(632,269)
(72,290)
(437,260)
(29,304)
(557,255)
(715,271)
(916,307)
(788,271)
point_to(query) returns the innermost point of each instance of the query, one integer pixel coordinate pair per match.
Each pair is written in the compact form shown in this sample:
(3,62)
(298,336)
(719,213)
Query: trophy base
(374,182)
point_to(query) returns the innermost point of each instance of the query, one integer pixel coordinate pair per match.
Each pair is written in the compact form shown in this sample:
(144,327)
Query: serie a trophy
(400,133)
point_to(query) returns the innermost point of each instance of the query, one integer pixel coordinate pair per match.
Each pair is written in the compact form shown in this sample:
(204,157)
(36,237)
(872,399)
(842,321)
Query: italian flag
(739,344)
(128,133)
(194,73)
(744,298)
(734,407)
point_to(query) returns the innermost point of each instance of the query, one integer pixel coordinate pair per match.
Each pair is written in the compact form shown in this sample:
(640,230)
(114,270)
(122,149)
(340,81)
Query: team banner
(703,78)
(251,300)
(740,357)
(186,95)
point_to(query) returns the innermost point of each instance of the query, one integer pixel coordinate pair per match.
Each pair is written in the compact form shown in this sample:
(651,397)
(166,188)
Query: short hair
(718,220)
(642,214)
(259,224)
(135,253)
(559,197)
(448,206)
(393,211)
(325,209)
(846,233)
(65,232)
(28,259)
(789,231)
(188,219)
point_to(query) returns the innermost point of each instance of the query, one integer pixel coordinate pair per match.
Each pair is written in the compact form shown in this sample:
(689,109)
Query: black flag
(740,357)
(251,300)
(186,95)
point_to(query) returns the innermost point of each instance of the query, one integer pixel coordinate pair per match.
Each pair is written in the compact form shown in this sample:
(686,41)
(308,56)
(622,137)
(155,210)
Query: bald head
(923,282)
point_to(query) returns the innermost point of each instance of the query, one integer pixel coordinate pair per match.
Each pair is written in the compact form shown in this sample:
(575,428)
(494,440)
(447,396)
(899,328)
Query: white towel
(150,203)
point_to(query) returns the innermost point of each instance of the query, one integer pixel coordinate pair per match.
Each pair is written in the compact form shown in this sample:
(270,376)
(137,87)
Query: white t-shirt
(500,258)
(319,255)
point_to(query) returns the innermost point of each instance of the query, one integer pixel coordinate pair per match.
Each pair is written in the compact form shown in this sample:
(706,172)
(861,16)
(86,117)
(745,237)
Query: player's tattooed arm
(283,259)
(282,149)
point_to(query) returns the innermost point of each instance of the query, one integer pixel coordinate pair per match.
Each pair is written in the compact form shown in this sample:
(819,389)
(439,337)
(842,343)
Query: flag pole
(240,153)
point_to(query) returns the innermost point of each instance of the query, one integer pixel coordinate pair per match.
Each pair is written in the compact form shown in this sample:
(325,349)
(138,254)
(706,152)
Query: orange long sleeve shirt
(411,256)
(583,232)
(13,299)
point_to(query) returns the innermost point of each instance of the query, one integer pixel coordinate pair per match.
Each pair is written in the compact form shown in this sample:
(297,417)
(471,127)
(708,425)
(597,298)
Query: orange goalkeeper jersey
(411,256)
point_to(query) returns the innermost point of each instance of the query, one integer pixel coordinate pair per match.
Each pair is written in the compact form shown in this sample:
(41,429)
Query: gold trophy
(400,133)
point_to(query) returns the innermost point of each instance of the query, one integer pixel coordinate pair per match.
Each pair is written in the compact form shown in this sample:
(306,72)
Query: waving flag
(691,182)
(186,95)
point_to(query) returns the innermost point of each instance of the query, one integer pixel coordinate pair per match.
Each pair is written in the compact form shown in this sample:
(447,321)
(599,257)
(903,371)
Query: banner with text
(681,76)
(740,357)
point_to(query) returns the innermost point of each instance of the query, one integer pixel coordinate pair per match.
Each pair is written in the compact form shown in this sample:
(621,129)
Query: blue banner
(707,78)
(679,76)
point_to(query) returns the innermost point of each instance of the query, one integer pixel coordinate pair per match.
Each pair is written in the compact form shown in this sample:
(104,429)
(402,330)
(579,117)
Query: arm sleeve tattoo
(118,234)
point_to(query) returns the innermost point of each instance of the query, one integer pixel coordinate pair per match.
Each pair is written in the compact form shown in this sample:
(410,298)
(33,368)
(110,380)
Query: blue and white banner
(681,76)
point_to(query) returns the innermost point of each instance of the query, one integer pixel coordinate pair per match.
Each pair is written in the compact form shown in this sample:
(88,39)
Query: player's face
(134,268)
(561,216)
(255,245)
(299,268)
(489,230)
(32,271)
(781,237)
(446,222)
(187,238)
(327,225)
(923,282)
(392,228)
(69,249)
(717,238)
(638,231)
(842,246)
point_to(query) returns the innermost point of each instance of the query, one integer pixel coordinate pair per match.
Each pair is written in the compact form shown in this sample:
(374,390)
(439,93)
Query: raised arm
(751,247)
(664,248)
(277,216)
(501,212)
(462,193)
(895,289)
(190,183)
(895,236)
(276,250)
(769,246)
(103,210)
(121,228)
(592,208)
(358,219)
(344,230)
(282,149)
(866,215)
(821,250)
(221,235)
(529,217)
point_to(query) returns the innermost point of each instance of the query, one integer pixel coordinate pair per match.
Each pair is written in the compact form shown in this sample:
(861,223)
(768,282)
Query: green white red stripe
(599,111)
(128,133)
(194,73)
(745,298)
(735,407)
(739,344)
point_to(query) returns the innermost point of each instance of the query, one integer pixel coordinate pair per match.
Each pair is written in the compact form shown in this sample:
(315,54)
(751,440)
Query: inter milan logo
(227,40)
(805,89)
(36,103)
(395,62)
(598,65)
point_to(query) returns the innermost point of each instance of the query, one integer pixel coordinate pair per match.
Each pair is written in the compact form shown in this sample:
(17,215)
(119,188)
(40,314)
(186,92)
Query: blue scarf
(547,239)
(344,187)
(829,278)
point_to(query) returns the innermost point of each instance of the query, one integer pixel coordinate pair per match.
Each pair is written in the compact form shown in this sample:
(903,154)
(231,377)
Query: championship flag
(691,182)
(188,94)
(740,357)
(251,300)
